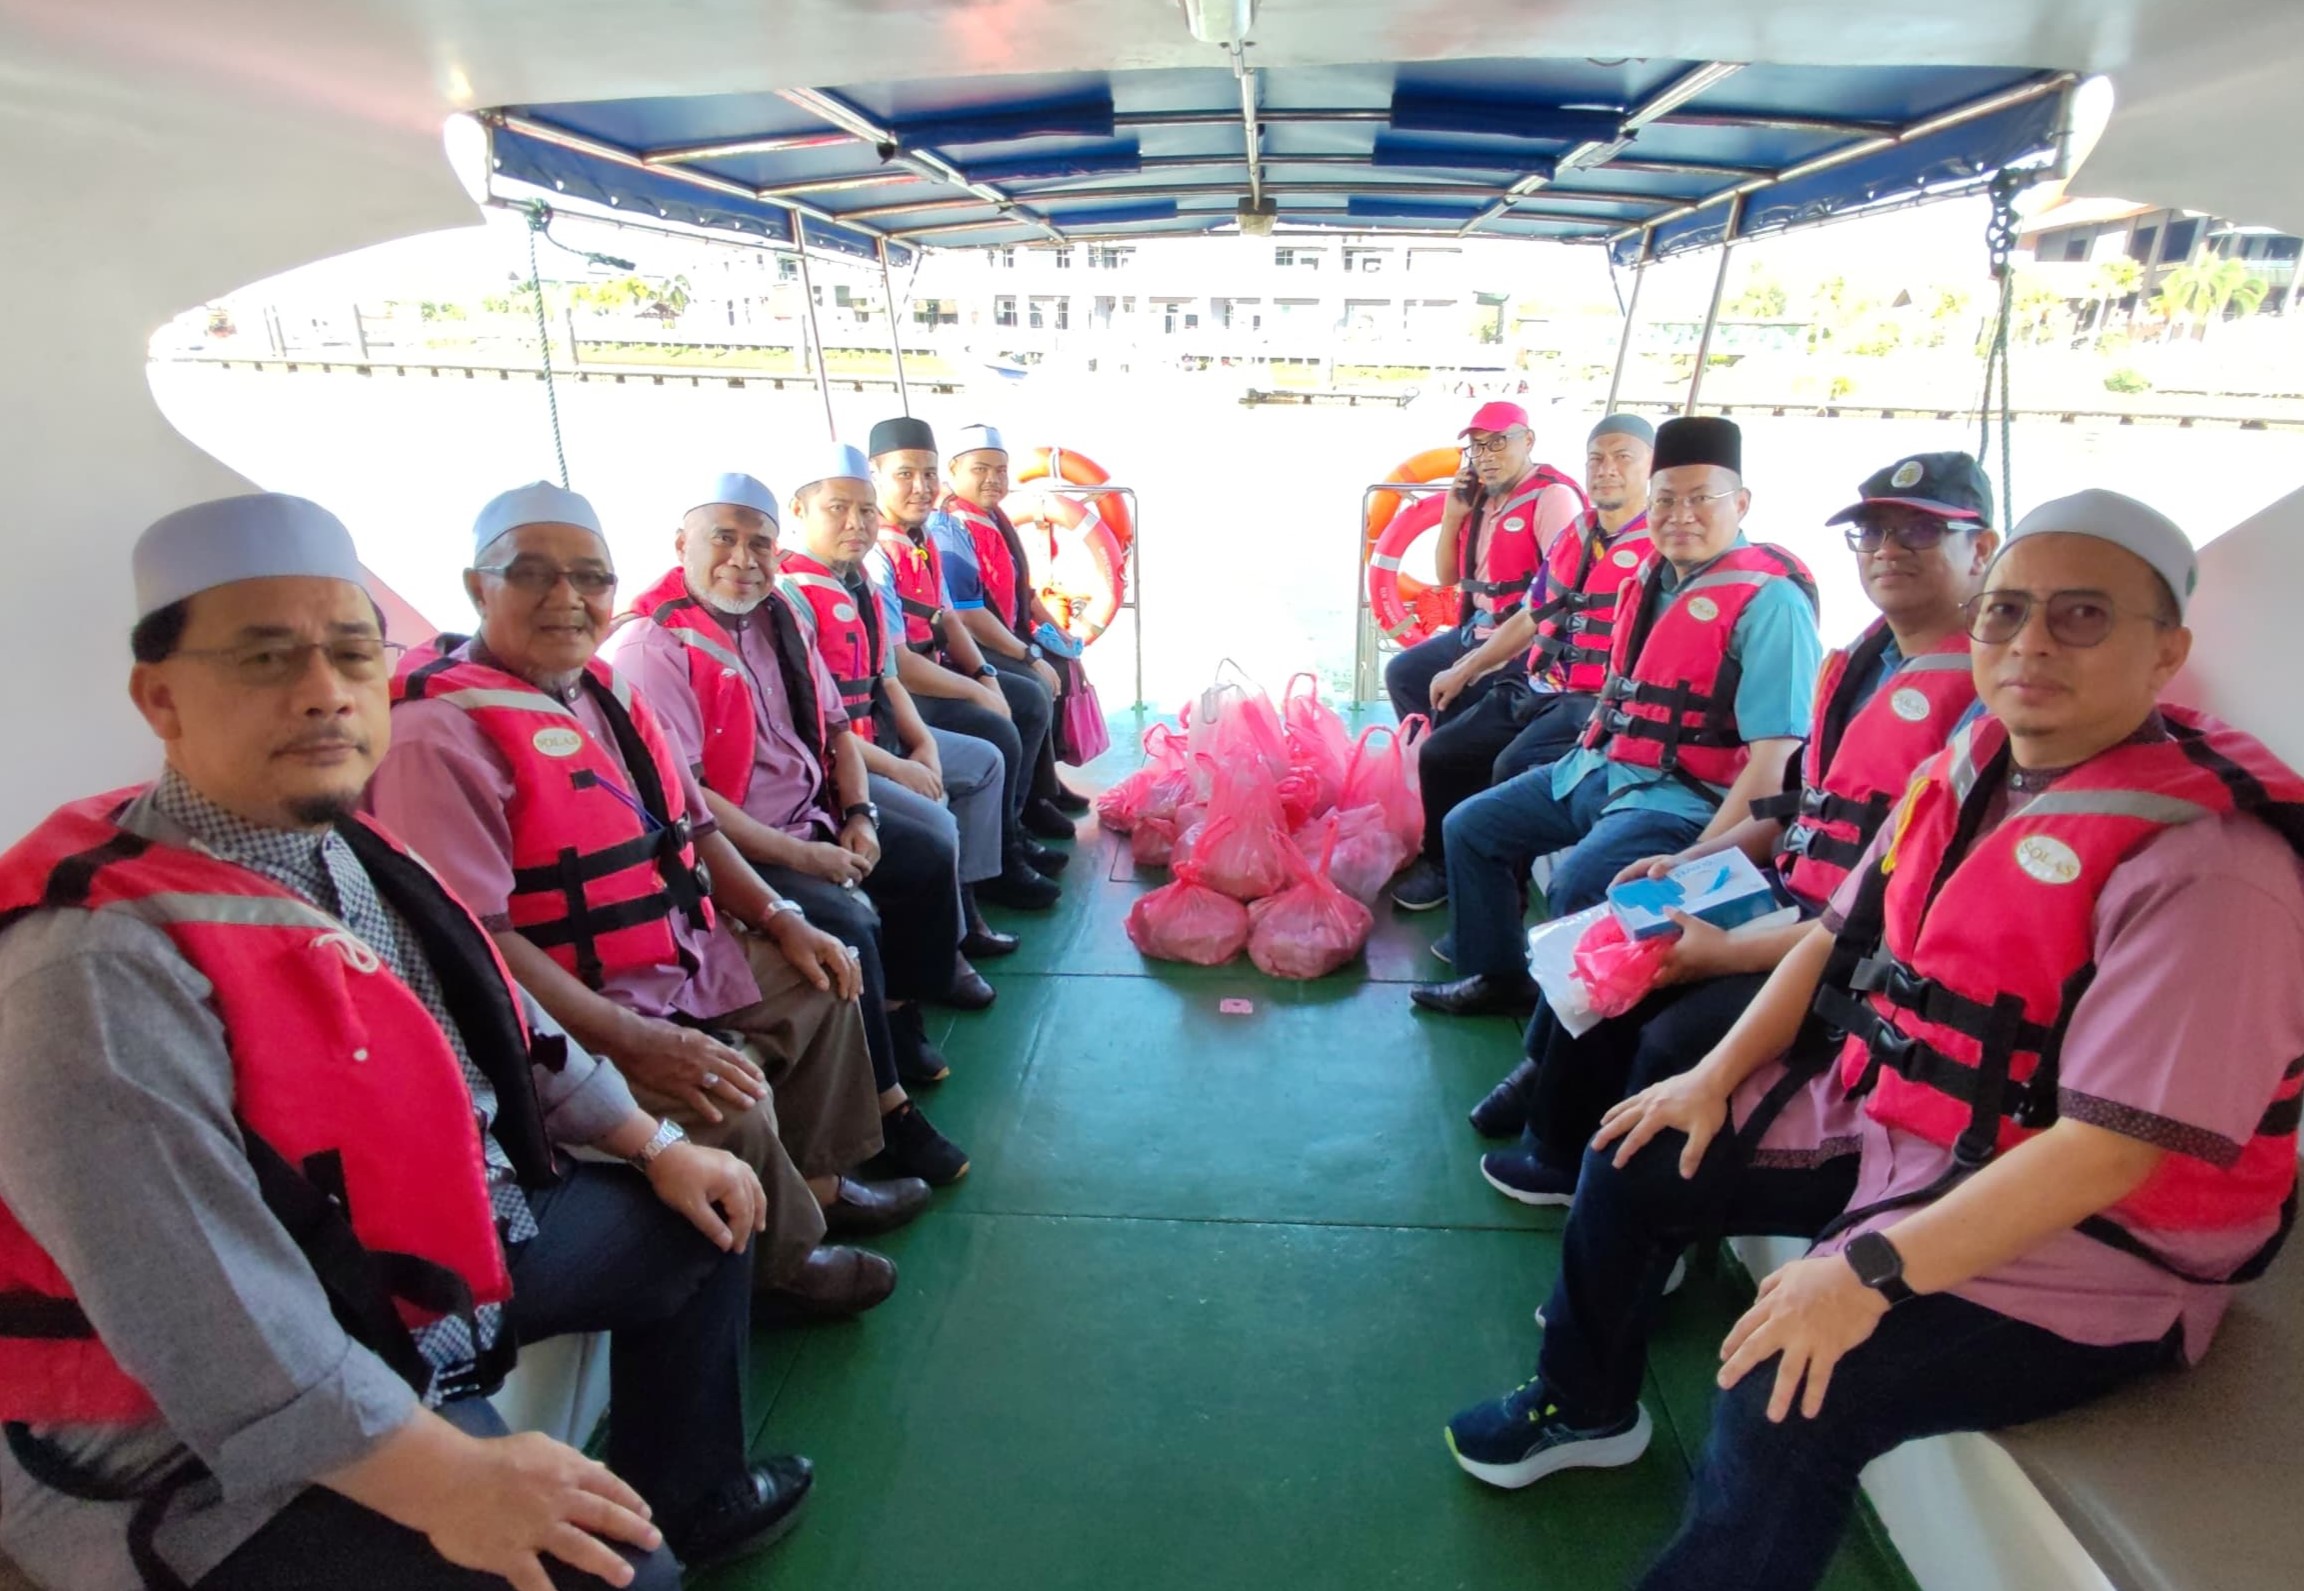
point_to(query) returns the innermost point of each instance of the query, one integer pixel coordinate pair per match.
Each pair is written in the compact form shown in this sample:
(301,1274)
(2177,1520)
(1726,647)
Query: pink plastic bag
(1119,808)
(1187,921)
(1081,736)
(1191,823)
(1244,851)
(1367,852)
(1248,739)
(1319,750)
(1386,778)
(1153,842)
(1620,971)
(1310,928)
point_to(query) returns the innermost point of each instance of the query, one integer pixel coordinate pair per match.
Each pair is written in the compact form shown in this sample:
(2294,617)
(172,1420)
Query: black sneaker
(1422,887)
(918,1062)
(1521,1173)
(1520,1438)
(911,1145)
(751,1516)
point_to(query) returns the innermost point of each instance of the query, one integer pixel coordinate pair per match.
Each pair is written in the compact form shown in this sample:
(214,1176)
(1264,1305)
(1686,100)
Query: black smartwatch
(987,671)
(869,811)
(1878,1266)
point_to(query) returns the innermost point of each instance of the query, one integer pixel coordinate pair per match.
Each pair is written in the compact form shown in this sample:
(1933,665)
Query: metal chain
(2000,244)
(538,219)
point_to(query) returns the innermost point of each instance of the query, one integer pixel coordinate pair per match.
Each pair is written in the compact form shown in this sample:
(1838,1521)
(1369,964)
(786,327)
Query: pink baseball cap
(1497,416)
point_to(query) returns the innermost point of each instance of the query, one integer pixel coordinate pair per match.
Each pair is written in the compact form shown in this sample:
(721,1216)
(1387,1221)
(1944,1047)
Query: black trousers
(1408,677)
(1017,678)
(608,1256)
(1663,1036)
(904,923)
(1469,750)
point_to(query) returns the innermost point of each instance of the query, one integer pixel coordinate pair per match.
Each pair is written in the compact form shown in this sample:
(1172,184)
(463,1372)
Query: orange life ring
(1079,567)
(1406,608)
(1078,469)
(1433,464)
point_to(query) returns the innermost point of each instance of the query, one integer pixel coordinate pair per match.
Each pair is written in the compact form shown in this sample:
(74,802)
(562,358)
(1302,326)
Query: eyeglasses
(1918,536)
(2075,618)
(533,574)
(1495,444)
(267,665)
(1668,507)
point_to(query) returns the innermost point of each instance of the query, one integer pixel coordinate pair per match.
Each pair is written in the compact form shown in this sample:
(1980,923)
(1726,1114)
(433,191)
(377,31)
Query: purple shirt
(445,790)
(2216,905)
(787,792)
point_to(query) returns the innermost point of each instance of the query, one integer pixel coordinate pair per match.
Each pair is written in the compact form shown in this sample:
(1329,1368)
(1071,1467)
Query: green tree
(2113,280)
(1762,296)
(2204,288)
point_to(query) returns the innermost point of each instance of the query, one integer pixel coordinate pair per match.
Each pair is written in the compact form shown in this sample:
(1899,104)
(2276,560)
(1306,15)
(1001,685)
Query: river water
(1250,516)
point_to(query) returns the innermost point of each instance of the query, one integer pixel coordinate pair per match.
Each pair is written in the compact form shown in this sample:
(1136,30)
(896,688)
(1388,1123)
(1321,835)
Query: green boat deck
(1196,1316)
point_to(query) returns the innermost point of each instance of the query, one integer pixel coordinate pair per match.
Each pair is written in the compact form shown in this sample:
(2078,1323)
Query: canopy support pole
(815,334)
(1624,339)
(895,328)
(1712,310)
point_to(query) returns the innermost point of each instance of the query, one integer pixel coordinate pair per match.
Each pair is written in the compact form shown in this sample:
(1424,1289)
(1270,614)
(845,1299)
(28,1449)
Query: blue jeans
(1491,839)
(1769,1503)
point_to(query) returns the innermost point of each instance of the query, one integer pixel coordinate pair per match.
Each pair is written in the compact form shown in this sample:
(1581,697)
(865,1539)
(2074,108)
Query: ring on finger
(711,1080)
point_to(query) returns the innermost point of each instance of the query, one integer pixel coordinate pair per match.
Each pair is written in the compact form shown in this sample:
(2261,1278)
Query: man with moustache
(1549,657)
(752,709)
(281,1187)
(544,791)
(937,659)
(2036,1161)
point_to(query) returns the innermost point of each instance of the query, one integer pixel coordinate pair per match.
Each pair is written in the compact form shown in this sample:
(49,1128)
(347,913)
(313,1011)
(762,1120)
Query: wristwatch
(869,811)
(667,1134)
(1033,651)
(779,906)
(1878,1266)
(987,671)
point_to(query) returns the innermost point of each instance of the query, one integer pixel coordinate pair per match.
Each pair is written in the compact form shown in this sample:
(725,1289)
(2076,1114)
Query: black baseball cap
(1948,485)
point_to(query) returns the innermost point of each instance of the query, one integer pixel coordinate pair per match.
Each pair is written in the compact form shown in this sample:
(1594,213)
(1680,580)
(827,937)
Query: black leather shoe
(1505,1111)
(1044,818)
(835,1282)
(919,1063)
(1042,859)
(751,1517)
(986,943)
(1482,994)
(1021,888)
(1067,799)
(867,1209)
(969,991)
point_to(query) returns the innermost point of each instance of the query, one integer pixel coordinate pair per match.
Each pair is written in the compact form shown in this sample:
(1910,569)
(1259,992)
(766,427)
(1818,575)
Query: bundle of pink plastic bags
(1280,828)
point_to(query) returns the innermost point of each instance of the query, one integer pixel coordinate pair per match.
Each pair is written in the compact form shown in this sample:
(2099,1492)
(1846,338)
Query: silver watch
(668,1133)
(778,907)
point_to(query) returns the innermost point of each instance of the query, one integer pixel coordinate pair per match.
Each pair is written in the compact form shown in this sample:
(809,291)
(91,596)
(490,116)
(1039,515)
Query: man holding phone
(1503,512)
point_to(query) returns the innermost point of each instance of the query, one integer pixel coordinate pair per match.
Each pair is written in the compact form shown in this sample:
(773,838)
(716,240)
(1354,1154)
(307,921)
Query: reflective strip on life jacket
(1585,576)
(1509,556)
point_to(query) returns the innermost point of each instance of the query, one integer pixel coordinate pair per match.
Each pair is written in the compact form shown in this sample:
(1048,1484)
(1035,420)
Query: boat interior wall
(2244,625)
(161,153)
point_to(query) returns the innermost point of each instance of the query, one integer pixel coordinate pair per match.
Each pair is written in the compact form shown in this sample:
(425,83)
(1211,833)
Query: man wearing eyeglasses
(2059,1154)
(1921,535)
(1713,661)
(281,1189)
(1504,511)
(547,795)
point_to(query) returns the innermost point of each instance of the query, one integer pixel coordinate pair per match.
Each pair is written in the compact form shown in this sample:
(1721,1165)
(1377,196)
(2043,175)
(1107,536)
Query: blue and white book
(1723,889)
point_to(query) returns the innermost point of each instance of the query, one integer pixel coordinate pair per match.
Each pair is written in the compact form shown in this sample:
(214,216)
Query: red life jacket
(999,558)
(844,625)
(919,576)
(723,684)
(1858,760)
(1584,573)
(1956,984)
(351,1103)
(597,872)
(1670,699)
(1508,552)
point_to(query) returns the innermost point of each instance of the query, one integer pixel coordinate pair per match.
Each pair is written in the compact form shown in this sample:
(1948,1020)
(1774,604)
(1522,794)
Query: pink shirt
(444,789)
(2195,1012)
(787,792)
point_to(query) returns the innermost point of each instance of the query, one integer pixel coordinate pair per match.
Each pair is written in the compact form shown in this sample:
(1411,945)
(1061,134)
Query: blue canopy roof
(1651,157)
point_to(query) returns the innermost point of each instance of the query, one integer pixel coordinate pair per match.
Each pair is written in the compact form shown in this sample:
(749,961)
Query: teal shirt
(1776,642)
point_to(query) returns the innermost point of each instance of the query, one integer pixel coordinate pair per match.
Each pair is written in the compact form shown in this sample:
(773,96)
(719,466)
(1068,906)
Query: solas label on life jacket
(557,740)
(1909,705)
(2048,859)
(1703,609)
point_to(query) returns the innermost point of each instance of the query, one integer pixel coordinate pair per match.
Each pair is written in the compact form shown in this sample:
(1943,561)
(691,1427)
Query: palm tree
(2115,279)
(2204,288)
